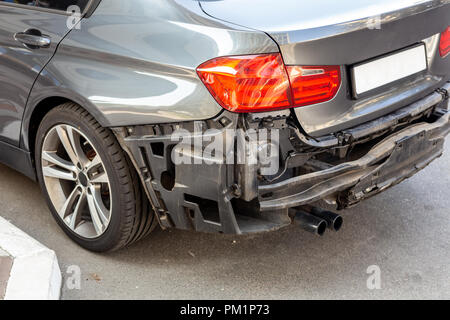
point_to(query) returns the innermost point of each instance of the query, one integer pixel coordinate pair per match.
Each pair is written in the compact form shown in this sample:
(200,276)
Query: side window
(25,2)
(62,4)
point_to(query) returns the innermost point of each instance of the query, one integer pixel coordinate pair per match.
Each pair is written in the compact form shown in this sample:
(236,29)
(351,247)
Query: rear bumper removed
(396,158)
(216,196)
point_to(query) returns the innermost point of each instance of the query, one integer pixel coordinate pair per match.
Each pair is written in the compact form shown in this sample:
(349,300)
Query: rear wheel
(91,188)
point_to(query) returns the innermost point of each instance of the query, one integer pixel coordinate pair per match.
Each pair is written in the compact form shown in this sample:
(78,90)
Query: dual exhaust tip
(316,220)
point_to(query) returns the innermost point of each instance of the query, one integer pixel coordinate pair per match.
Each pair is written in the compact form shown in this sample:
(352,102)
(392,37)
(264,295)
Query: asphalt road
(404,231)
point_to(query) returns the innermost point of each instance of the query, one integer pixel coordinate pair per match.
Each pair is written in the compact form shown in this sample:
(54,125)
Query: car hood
(275,16)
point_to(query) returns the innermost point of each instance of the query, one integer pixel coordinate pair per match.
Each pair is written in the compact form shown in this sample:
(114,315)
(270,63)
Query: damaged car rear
(227,117)
(358,105)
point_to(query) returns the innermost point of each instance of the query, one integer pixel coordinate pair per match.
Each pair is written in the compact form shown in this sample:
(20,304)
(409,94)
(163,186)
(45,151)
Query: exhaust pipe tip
(334,220)
(310,223)
(337,223)
(321,228)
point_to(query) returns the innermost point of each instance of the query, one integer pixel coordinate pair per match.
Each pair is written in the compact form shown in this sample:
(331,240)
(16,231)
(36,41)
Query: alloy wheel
(76,181)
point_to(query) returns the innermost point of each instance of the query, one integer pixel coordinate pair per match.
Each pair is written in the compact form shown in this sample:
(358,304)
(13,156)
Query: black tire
(131,215)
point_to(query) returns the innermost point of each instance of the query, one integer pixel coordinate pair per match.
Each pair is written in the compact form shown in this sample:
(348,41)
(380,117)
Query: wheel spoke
(63,137)
(72,144)
(100,178)
(99,214)
(53,172)
(66,209)
(75,141)
(94,163)
(53,158)
(95,175)
(75,219)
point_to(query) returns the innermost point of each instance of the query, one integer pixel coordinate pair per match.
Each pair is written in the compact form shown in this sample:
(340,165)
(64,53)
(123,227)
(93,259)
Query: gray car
(226,116)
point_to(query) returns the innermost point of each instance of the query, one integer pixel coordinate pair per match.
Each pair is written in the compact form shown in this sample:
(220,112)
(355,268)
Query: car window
(52,4)
(62,4)
(25,2)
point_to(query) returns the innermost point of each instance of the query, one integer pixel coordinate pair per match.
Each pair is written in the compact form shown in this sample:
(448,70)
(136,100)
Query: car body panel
(346,33)
(19,65)
(293,15)
(132,65)
(134,62)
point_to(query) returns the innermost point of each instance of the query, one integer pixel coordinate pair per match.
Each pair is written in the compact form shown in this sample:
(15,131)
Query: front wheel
(90,186)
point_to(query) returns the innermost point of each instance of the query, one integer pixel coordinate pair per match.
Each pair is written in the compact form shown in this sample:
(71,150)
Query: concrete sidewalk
(28,270)
(6,262)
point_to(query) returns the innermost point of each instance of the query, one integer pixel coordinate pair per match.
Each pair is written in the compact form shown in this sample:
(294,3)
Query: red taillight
(312,85)
(444,44)
(257,83)
(247,83)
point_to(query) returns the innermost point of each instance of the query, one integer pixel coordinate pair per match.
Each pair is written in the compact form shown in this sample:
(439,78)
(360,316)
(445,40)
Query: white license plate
(377,73)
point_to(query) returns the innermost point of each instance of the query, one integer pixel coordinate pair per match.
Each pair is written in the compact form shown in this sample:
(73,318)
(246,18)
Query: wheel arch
(34,114)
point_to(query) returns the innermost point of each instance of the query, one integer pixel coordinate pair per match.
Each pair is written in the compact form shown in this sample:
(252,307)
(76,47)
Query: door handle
(33,39)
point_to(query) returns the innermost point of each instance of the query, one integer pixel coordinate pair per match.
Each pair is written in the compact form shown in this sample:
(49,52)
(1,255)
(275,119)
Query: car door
(30,31)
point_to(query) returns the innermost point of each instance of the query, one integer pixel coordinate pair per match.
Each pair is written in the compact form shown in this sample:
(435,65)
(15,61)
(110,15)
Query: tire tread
(138,219)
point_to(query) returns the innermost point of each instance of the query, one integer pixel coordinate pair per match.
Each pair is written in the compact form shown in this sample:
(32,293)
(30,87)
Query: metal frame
(244,205)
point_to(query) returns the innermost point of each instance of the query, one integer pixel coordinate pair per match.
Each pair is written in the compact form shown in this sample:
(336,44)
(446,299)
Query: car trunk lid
(348,33)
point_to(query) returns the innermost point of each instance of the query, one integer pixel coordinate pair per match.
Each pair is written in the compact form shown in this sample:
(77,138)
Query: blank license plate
(377,73)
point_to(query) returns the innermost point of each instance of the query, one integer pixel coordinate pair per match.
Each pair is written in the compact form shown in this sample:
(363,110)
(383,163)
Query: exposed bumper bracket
(394,159)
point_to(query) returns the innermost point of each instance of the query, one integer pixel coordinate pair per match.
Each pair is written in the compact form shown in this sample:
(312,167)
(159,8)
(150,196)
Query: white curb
(35,273)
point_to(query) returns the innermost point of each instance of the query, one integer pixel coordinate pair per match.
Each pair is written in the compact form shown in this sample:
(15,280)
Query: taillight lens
(311,85)
(247,83)
(444,44)
(257,83)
